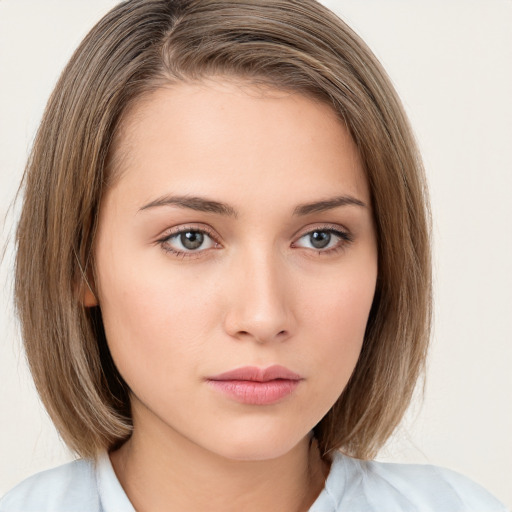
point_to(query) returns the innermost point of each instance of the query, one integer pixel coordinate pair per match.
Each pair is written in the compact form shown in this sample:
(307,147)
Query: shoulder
(386,487)
(435,488)
(67,488)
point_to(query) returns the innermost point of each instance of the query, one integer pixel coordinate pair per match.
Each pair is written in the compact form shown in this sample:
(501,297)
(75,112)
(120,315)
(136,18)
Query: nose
(260,301)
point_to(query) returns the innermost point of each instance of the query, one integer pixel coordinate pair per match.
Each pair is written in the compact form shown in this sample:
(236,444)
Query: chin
(257,447)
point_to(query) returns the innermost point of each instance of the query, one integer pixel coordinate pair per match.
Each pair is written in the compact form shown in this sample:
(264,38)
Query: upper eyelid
(344,236)
(169,232)
(321,227)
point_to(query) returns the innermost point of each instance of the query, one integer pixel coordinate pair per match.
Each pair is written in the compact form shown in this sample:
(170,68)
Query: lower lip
(255,392)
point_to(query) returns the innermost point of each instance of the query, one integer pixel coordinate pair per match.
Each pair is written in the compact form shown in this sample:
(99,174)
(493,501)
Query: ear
(85,292)
(88,298)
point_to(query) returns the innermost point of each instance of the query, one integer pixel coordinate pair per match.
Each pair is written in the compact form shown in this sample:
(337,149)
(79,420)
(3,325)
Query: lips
(256,386)
(252,373)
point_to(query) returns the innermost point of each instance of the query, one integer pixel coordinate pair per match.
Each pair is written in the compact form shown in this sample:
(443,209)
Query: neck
(158,474)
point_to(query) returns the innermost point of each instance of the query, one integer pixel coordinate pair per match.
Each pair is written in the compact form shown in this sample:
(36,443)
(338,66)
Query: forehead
(221,135)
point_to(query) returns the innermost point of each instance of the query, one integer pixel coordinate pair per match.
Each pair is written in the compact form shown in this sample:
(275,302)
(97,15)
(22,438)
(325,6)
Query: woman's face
(239,234)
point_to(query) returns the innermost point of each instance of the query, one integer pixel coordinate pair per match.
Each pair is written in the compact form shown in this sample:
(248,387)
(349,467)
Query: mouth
(256,386)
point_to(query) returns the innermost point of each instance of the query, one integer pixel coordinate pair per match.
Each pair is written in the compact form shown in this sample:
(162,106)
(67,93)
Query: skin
(257,292)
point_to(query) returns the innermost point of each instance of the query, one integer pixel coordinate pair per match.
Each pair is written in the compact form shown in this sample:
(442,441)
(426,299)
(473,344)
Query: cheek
(152,318)
(336,321)
(340,301)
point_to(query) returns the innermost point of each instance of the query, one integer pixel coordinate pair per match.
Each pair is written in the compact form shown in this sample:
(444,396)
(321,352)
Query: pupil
(192,239)
(320,239)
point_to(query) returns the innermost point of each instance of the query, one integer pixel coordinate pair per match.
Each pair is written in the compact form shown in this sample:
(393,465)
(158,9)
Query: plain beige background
(451,62)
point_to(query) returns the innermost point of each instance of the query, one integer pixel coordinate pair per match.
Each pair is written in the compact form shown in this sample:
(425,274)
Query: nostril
(261,337)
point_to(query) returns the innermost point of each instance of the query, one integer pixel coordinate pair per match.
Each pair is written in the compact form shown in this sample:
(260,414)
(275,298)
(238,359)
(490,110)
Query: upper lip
(255,374)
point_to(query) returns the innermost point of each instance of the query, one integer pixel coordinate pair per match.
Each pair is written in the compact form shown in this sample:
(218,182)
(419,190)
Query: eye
(188,241)
(323,240)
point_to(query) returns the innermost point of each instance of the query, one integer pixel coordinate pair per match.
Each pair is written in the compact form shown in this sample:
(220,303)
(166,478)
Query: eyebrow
(327,204)
(206,205)
(193,203)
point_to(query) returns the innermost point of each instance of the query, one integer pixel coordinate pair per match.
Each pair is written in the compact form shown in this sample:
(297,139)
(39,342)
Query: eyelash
(164,242)
(345,238)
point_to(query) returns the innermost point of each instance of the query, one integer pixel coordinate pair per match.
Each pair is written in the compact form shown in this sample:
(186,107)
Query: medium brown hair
(140,45)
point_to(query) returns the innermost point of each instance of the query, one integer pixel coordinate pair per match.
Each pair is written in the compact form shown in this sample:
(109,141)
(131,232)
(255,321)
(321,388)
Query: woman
(225,219)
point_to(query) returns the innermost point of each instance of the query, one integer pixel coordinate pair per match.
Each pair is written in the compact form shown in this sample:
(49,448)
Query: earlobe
(89,299)
(87,295)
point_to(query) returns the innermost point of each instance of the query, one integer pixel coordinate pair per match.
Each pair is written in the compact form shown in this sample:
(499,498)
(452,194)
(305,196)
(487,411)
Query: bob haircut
(138,47)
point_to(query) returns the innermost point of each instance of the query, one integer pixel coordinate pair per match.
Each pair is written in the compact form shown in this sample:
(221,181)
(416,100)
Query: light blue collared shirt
(352,486)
